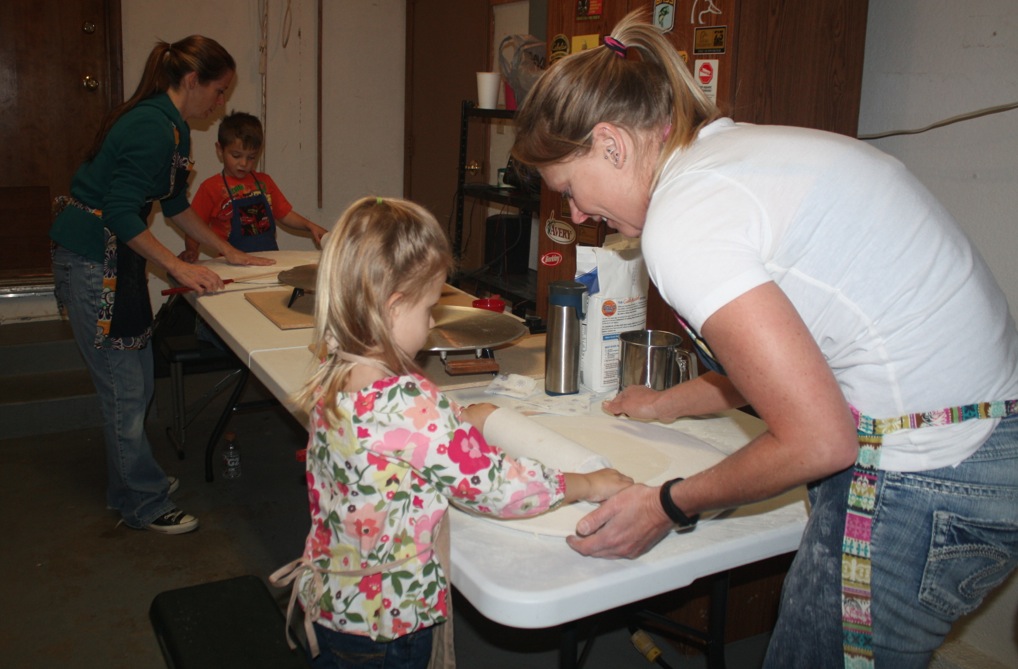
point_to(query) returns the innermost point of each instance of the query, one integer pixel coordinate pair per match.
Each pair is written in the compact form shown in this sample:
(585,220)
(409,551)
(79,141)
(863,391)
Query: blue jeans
(942,540)
(137,486)
(352,651)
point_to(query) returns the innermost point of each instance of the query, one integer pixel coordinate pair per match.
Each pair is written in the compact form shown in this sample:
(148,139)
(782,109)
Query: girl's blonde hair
(647,90)
(380,247)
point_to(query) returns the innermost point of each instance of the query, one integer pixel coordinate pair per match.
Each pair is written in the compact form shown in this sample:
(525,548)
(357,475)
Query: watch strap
(674,513)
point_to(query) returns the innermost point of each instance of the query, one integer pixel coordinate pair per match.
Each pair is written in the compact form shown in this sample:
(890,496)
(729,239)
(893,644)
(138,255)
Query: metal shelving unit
(523,286)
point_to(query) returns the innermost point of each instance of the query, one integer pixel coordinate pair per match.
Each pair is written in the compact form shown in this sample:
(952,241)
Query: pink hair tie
(617,47)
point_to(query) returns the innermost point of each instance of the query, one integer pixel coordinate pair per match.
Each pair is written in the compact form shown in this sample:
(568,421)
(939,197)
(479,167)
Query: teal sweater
(135,166)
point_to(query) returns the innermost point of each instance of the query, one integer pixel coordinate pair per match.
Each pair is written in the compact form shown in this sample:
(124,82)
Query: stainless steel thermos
(562,343)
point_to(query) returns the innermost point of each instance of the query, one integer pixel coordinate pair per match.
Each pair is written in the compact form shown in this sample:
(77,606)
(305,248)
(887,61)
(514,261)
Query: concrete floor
(77,588)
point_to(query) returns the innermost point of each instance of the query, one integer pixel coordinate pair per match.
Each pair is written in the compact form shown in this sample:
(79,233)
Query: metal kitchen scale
(466,329)
(458,330)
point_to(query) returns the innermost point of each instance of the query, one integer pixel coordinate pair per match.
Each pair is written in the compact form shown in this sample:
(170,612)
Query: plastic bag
(522,60)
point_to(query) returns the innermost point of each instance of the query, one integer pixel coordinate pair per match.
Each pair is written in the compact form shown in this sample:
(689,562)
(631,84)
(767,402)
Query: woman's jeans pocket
(968,558)
(942,541)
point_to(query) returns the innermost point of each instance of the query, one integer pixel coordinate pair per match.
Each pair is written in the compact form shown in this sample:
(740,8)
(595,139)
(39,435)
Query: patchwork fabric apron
(124,312)
(856,556)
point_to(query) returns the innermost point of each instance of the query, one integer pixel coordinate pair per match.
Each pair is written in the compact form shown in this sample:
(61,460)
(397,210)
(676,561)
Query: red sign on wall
(551,259)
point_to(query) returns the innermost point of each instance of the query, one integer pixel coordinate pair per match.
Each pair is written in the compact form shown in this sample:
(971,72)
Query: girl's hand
(604,483)
(476,414)
(595,486)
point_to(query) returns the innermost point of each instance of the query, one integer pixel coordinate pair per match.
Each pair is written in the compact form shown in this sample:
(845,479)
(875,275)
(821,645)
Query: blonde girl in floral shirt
(388,451)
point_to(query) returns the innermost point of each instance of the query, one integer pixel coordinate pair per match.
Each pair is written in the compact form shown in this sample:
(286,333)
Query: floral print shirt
(380,482)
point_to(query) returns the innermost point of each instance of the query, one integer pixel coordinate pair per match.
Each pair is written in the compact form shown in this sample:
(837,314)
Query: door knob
(89,83)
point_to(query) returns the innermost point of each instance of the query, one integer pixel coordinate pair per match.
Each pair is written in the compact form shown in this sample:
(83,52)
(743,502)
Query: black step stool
(231,624)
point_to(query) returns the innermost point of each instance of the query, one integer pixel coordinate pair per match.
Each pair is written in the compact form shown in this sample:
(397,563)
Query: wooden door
(60,70)
(448,42)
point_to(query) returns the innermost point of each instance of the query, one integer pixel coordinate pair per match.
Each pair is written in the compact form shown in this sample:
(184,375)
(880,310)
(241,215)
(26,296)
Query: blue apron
(252,226)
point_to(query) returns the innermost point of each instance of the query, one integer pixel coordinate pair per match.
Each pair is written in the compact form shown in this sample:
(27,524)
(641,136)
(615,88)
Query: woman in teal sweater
(141,154)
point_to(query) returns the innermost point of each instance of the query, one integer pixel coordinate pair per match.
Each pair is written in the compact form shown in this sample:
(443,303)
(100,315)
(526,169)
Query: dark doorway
(60,70)
(448,41)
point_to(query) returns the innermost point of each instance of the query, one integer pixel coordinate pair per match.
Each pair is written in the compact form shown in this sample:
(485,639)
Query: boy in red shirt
(240,205)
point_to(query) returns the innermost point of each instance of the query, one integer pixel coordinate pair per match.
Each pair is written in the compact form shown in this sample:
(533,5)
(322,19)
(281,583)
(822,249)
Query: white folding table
(512,577)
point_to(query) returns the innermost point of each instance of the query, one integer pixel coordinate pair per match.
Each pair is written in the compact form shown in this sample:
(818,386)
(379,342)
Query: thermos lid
(567,294)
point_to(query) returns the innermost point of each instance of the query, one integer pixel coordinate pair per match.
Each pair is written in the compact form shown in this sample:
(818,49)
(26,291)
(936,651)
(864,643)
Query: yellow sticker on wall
(584,42)
(710,40)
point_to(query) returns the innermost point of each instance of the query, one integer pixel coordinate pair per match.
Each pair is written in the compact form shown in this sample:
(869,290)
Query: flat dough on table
(648,452)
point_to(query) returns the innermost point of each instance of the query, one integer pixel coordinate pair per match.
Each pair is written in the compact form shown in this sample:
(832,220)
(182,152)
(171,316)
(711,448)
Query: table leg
(714,636)
(716,621)
(567,646)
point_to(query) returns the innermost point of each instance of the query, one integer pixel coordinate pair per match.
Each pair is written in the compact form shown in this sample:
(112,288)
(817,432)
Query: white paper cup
(487,89)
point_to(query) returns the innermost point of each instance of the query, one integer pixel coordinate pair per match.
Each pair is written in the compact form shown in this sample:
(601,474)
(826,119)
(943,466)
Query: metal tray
(467,328)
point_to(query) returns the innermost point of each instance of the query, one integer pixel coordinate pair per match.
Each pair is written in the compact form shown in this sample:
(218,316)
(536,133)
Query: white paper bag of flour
(617,303)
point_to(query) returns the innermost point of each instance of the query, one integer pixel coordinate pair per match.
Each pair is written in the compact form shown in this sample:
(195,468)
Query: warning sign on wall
(706,74)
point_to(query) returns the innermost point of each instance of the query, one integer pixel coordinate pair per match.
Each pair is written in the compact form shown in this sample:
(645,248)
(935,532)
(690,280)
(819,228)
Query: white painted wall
(363,49)
(928,60)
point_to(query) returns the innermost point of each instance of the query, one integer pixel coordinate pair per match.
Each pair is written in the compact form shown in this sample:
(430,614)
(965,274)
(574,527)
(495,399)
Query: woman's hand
(198,278)
(237,257)
(626,525)
(200,233)
(638,402)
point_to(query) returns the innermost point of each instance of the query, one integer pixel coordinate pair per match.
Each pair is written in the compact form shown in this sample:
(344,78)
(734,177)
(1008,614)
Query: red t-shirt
(212,202)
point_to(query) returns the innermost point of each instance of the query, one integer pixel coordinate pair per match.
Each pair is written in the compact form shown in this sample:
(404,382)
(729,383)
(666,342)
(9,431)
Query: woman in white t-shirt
(842,302)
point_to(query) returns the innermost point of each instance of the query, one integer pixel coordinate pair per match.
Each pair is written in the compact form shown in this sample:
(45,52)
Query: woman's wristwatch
(681,520)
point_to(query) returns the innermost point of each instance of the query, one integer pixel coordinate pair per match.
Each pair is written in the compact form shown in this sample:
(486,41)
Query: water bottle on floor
(231,457)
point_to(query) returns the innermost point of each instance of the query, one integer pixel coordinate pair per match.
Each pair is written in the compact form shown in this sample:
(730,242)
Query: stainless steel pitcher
(652,358)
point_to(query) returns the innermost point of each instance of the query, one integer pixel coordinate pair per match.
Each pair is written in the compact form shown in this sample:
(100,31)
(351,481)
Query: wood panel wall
(785,62)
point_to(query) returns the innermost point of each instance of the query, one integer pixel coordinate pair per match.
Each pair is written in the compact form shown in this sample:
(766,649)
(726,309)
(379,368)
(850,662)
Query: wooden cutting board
(272,304)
